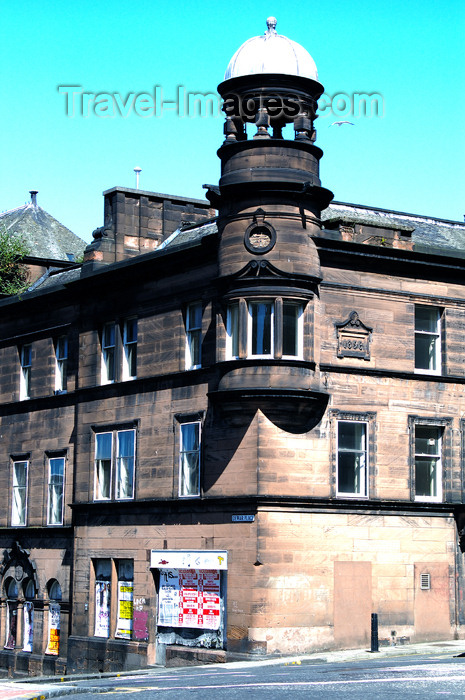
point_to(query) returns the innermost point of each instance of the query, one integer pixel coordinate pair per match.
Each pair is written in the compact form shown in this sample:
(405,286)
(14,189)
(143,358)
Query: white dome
(271,53)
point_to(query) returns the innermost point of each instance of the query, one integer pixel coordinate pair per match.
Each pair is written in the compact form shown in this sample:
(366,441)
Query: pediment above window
(263,273)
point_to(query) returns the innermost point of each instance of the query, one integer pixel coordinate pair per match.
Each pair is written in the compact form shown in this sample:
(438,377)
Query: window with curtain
(61,364)
(56,483)
(25,378)
(352,458)
(260,331)
(19,495)
(125,464)
(103,458)
(428,463)
(189,459)
(130,349)
(108,353)
(265,328)
(114,465)
(193,335)
(428,339)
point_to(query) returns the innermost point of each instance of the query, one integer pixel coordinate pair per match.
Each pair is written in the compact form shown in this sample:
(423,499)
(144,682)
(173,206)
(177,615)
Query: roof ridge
(11,211)
(395,212)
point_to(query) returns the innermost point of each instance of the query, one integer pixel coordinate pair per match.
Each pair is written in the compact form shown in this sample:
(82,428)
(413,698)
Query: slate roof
(430,235)
(189,234)
(43,235)
(54,277)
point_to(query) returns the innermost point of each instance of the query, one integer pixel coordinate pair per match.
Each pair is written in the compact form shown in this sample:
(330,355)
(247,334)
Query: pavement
(39,688)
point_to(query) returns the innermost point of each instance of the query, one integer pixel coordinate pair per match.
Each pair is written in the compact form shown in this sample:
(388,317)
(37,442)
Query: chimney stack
(33,194)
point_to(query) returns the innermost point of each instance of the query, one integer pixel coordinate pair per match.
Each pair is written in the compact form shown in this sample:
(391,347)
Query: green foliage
(13,274)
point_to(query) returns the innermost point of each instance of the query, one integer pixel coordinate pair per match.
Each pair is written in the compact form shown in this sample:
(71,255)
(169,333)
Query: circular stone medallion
(259,238)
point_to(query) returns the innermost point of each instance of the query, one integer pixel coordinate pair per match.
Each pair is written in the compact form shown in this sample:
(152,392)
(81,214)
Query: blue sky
(409,52)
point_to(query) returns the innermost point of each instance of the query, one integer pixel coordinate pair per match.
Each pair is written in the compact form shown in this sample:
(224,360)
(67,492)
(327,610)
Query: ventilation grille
(425,582)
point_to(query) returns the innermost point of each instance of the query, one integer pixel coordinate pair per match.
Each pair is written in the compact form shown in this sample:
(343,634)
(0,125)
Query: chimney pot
(33,194)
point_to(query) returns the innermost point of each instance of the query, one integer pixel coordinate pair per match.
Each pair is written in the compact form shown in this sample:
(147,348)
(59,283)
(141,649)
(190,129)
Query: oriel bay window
(265,328)
(114,465)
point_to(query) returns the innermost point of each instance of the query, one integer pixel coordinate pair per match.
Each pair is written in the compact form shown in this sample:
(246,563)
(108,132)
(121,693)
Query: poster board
(28,626)
(102,609)
(53,646)
(125,609)
(189,598)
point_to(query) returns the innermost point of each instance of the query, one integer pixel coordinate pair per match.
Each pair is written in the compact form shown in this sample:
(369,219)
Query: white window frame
(51,485)
(97,487)
(251,303)
(436,334)
(193,334)
(16,521)
(182,452)
(61,364)
(129,349)
(421,456)
(364,480)
(25,377)
(108,352)
(116,458)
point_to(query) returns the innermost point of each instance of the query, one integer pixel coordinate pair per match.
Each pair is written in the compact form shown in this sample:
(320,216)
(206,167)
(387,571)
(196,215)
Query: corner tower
(270,196)
(270,200)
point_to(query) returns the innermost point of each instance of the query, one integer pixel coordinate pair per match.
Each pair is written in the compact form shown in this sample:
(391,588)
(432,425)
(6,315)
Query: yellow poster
(125,609)
(53,646)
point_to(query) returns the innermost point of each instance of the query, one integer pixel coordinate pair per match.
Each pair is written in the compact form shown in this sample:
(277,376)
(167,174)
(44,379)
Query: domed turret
(270,195)
(271,53)
(269,202)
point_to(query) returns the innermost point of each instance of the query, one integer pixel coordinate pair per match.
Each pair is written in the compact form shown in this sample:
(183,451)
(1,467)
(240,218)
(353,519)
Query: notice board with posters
(189,598)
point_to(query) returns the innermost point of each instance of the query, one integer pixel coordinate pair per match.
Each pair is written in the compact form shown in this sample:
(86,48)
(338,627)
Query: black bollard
(374,632)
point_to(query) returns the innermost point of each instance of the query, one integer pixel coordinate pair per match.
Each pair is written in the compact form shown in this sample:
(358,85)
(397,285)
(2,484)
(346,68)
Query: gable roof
(42,234)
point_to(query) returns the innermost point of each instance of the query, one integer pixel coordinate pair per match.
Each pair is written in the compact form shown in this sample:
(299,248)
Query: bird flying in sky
(341,123)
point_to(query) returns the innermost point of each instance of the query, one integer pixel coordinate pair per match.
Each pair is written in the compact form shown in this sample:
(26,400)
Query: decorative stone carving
(353,337)
(260,236)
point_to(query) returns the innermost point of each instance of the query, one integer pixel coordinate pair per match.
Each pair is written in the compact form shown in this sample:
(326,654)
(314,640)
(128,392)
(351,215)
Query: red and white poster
(189,598)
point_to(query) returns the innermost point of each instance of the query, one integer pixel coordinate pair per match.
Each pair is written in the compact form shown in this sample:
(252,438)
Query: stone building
(238,427)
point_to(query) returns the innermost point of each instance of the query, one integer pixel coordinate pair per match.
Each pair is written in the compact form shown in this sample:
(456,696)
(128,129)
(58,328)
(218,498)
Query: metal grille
(425,582)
